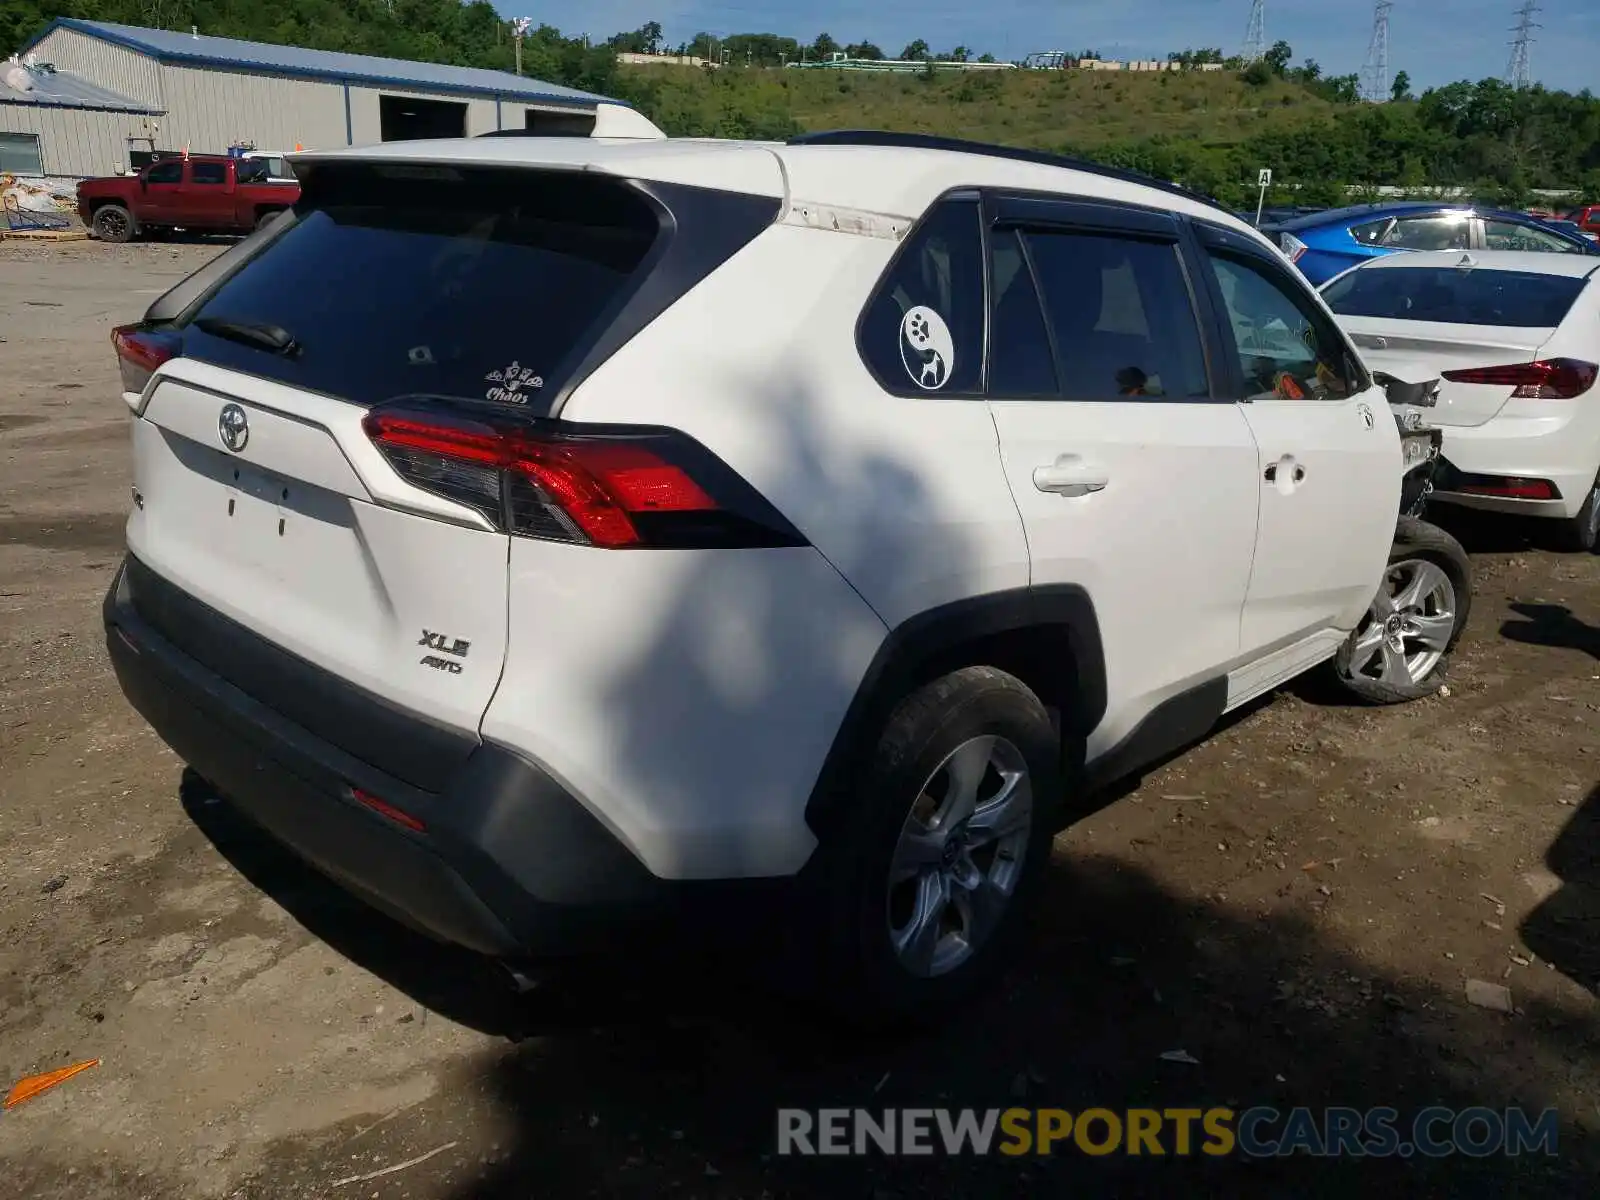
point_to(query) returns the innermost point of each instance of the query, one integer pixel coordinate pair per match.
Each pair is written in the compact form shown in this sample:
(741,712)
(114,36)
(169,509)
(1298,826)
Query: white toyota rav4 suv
(547,537)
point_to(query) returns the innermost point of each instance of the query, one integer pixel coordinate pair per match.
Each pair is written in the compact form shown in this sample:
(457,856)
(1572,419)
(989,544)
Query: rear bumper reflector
(383,809)
(1511,487)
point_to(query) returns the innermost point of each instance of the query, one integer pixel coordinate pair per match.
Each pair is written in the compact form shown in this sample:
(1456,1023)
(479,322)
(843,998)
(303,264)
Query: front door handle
(1070,475)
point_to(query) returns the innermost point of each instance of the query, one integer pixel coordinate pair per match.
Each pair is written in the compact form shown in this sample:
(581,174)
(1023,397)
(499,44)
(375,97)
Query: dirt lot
(1298,904)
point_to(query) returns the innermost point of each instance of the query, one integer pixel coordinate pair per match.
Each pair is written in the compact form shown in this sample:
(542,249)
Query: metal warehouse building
(205,94)
(88,129)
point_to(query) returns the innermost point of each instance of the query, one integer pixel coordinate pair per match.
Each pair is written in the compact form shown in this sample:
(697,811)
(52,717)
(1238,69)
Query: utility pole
(519,29)
(1517,71)
(1255,34)
(1376,70)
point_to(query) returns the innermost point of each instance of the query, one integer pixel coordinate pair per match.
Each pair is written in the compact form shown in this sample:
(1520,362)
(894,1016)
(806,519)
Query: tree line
(1498,141)
(1487,136)
(775,50)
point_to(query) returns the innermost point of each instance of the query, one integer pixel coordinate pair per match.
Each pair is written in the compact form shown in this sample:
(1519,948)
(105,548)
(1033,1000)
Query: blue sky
(1436,41)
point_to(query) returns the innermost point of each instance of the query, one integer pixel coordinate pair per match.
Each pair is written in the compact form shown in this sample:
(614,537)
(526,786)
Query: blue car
(1326,243)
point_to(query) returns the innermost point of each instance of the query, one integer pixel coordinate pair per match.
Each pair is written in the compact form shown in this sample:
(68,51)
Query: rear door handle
(1070,475)
(1293,469)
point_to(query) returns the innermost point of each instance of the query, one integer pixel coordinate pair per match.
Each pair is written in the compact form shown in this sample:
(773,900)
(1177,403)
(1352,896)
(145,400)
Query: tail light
(1548,379)
(140,350)
(627,487)
(1292,246)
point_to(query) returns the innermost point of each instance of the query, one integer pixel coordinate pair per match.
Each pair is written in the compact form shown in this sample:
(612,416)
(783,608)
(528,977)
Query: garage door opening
(559,124)
(405,119)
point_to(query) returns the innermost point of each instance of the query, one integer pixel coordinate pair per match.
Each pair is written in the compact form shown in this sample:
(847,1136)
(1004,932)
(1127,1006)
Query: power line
(1375,73)
(1517,71)
(1255,34)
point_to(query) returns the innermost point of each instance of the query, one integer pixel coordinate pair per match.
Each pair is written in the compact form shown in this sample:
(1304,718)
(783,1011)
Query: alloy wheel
(960,856)
(1409,626)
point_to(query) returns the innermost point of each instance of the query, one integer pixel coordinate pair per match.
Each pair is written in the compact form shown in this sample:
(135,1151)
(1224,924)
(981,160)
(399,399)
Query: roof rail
(928,141)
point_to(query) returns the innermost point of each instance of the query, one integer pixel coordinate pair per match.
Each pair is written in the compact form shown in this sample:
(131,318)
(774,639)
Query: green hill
(1046,110)
(1210,130)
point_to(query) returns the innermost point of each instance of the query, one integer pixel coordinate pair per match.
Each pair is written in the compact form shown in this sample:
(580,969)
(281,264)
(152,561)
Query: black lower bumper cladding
(503,859)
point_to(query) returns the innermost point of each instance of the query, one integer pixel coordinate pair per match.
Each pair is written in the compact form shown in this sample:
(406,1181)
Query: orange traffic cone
(298,147)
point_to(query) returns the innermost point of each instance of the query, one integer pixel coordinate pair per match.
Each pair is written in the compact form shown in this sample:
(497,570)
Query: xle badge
(444,644)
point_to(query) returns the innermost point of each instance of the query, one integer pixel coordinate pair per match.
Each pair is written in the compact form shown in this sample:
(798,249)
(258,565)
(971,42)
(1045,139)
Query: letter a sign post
(1264,181)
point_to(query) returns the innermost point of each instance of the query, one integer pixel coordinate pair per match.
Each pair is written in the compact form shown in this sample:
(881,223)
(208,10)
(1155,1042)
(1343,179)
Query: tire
(1430,570)
(969,725)
(268,217)
(1581,533)
(113,223)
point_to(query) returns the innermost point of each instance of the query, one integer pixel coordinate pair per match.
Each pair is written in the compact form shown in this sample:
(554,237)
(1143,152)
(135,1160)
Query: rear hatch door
(273,540)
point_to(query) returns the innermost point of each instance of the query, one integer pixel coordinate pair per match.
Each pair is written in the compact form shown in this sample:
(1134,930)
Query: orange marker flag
(30,1086)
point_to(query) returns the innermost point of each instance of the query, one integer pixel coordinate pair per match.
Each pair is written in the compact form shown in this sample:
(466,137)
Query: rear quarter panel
(1331,250)
(907,497)
(690,698)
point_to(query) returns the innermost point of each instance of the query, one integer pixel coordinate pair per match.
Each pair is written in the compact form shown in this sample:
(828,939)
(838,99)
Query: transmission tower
(1517,70)
(1375,74)
(519,30)
(1255,34)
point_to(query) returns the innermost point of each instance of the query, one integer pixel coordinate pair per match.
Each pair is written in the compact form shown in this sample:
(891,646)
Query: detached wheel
(932,874)
(1582,532)
(113,223)
(1398,651)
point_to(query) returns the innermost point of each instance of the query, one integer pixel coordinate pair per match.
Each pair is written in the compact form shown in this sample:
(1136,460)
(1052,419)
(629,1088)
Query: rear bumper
(506,863)
(1550,440)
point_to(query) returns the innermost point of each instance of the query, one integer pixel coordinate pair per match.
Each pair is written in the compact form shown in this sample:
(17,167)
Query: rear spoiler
(607,121)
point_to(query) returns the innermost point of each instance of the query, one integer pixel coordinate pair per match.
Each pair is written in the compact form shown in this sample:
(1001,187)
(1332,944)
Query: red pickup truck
(210,192)
(1586,219)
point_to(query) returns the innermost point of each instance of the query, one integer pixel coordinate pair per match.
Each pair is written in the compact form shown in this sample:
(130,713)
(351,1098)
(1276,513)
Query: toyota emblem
(233,427)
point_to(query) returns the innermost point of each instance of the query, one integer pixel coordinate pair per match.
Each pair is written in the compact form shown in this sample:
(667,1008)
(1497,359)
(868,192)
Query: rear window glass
(923,332)
(400,281)
(1454,296)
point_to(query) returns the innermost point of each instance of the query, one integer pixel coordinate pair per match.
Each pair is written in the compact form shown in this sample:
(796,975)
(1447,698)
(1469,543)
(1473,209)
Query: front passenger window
(1288,349)
(1508,235)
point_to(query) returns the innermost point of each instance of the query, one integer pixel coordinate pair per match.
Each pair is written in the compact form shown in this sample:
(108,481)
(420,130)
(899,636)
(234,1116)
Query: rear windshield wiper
(274,338)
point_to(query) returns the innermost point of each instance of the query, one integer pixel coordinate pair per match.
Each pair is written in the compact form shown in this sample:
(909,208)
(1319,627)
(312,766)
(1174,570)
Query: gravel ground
(1298,903)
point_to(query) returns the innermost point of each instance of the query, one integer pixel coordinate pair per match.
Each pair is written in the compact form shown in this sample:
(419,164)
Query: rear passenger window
(1445,231)
(1120,315)
(1019,346)
(208,172)
(923,332)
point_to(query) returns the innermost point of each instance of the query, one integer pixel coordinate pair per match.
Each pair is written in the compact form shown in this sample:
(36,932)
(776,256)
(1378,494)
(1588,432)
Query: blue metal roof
(294,62)
(61,89)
